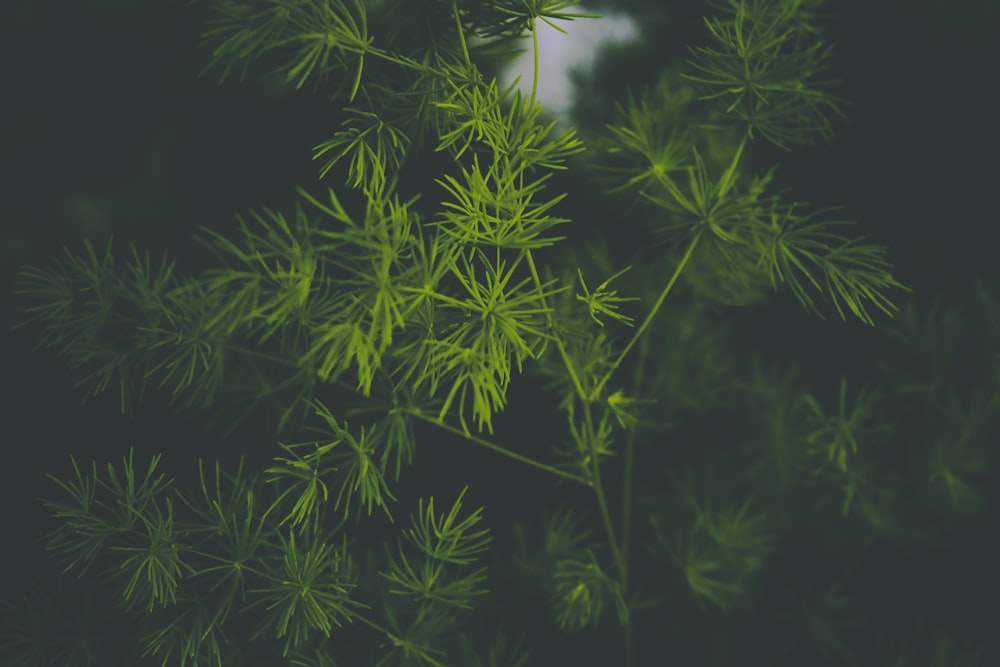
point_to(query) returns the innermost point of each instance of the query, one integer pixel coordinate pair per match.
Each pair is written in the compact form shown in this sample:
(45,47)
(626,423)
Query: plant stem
(461,33)
(534,51)
(416,412)
(649,318)
(630,458)
(627,496)
(396,641)
(570,368)
(609,528)
(602,501)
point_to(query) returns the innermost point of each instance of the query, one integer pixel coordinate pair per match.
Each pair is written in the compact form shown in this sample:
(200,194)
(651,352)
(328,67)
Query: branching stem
(497,448)
(649,318)
(570,368)
(397,641)
(602,501)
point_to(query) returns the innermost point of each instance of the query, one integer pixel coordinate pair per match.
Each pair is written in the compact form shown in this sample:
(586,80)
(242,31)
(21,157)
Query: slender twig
(399,641)
(567,361)
(602,501)
(416,412)
(461,33)
(649,318)
(534,51)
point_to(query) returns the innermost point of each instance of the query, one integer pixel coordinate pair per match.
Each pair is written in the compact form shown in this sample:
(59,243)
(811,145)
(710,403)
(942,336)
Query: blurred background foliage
(107,129)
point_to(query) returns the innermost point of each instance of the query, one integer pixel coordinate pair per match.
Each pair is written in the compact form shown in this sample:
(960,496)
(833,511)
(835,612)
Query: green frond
(383,270)
(244,34)
(445,538)
(763,68)
(188,351)
(334,210)
(605,301)
(392,433)
(319,657)
(232,530)
(524,142)
(565,532)
(320,28)
(156,566)
(337,346)
(562,533)
(826,619)
(498,207)
(320,36)
(373,148)
(472,113)
(121,514)
(415,639)
(277,269)
(441,541)
(192,636)
(478,376)
(728,211)
(646,143)
(359,473)
(505,122)
(360,323)
(306,589)
(515,17)
(133,494)
(500,652)
(84,529)
(582,593)
(721,553)
(834,439)
(588,440)
(810,255)
(511,314)
(959,456)
(304,478)
(92,310)
(494,323)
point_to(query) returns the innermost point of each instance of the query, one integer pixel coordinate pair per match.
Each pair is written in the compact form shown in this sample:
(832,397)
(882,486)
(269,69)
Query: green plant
(371,317)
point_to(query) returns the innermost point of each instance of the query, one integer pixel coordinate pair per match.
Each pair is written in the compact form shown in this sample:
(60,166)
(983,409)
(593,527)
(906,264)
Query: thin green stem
(630,457)
(398,641)
(416,412)
(627,495)
(602,500)
(609,528)
(534,51)
(461,33)
(570,368)
(649,318)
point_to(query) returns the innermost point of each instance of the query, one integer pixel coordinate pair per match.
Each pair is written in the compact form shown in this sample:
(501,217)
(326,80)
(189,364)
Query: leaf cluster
(720,554)
(764,66)
(439,543)
(314,37)
(374,312)
(197,561)
(748,235)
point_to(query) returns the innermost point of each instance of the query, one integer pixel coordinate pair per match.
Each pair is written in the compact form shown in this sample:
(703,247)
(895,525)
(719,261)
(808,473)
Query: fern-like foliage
(442,270)
(763,67)
(440,542)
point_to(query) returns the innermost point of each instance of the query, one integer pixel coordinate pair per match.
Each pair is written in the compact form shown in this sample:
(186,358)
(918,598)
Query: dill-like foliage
(366,327)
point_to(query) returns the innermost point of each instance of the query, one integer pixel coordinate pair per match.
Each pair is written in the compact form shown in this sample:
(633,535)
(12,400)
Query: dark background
(107,128)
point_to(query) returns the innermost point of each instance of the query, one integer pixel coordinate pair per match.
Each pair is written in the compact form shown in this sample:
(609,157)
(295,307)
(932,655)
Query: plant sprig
(763,68)
(405,313)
